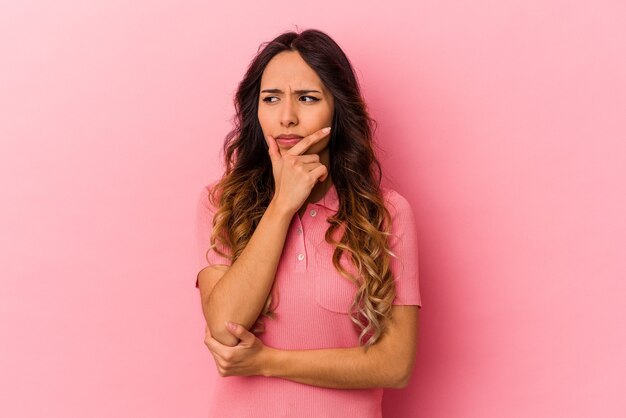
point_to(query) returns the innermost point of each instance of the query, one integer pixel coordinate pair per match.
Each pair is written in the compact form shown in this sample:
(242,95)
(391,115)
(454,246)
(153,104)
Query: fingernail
(230,325)
(326,130)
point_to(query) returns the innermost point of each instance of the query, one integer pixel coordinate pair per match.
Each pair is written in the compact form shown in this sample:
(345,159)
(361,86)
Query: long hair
(246,188)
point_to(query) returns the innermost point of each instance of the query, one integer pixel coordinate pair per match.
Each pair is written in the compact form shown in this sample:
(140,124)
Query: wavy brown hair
(246,188)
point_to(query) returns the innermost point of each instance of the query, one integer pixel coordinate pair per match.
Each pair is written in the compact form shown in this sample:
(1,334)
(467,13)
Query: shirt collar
(330,200)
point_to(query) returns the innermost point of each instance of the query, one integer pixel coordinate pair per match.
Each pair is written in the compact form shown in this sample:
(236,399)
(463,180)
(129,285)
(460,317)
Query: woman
(309,280)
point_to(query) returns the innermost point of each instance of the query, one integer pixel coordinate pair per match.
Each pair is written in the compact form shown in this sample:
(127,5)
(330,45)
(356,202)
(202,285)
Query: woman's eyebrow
(295,91)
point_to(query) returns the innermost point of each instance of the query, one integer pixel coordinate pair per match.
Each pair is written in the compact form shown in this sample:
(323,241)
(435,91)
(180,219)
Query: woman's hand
(295,174)
(247,358)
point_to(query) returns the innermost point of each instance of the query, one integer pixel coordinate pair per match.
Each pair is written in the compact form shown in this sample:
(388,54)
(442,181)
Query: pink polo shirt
(312,313)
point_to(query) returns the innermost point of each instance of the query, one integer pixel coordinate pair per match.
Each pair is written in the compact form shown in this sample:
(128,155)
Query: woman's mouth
(289,141)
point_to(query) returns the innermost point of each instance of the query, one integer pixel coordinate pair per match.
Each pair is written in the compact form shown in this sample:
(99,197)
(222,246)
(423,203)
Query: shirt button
(300,256)
(299,230)
(313,212)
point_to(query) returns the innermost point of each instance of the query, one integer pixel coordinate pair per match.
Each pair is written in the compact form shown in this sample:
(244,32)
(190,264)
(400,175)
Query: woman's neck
(319,190)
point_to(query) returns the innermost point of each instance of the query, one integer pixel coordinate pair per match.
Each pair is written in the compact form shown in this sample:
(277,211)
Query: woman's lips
(289,140)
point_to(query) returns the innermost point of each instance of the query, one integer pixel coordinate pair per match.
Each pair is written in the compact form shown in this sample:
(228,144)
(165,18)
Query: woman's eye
(315,99)
(268,99)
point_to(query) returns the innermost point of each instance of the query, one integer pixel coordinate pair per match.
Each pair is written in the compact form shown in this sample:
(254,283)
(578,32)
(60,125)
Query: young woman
(308,266)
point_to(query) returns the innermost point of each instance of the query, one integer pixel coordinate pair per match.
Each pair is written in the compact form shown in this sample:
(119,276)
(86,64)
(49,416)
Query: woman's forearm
(342,368)
(240,294)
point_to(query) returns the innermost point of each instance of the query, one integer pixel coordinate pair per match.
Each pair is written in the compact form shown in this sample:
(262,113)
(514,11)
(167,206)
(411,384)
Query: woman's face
(285,110)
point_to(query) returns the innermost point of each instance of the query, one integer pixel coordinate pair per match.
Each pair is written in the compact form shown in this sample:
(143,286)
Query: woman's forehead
(289,73)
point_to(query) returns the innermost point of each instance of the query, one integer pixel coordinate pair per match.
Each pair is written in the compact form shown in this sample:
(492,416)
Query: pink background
(503,124)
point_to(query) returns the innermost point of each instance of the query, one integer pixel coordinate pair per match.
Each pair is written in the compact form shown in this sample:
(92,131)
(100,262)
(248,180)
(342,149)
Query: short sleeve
(403,243)
(204,220)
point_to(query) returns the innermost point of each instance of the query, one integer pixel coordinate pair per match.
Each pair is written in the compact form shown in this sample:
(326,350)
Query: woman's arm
(241,292)
(388,363)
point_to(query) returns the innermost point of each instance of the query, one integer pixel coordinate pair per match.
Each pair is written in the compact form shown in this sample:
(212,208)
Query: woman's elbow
(218,331)
(402,375)
(402,380)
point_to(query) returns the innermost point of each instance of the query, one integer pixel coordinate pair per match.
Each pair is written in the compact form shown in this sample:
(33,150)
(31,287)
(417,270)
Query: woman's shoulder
(394,200)
(209,185)
(206,190)
(400,210)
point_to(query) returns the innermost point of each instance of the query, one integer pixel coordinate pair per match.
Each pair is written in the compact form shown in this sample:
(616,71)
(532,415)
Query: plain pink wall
(503,124)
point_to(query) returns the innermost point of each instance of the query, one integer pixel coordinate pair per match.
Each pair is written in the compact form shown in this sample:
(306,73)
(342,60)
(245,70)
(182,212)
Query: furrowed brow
(279,91)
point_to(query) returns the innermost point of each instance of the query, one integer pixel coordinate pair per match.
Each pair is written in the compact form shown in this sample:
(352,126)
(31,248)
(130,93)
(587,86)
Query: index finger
(303,145)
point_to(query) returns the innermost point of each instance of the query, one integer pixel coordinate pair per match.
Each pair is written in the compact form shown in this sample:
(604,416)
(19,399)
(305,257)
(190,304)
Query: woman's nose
(288,114)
